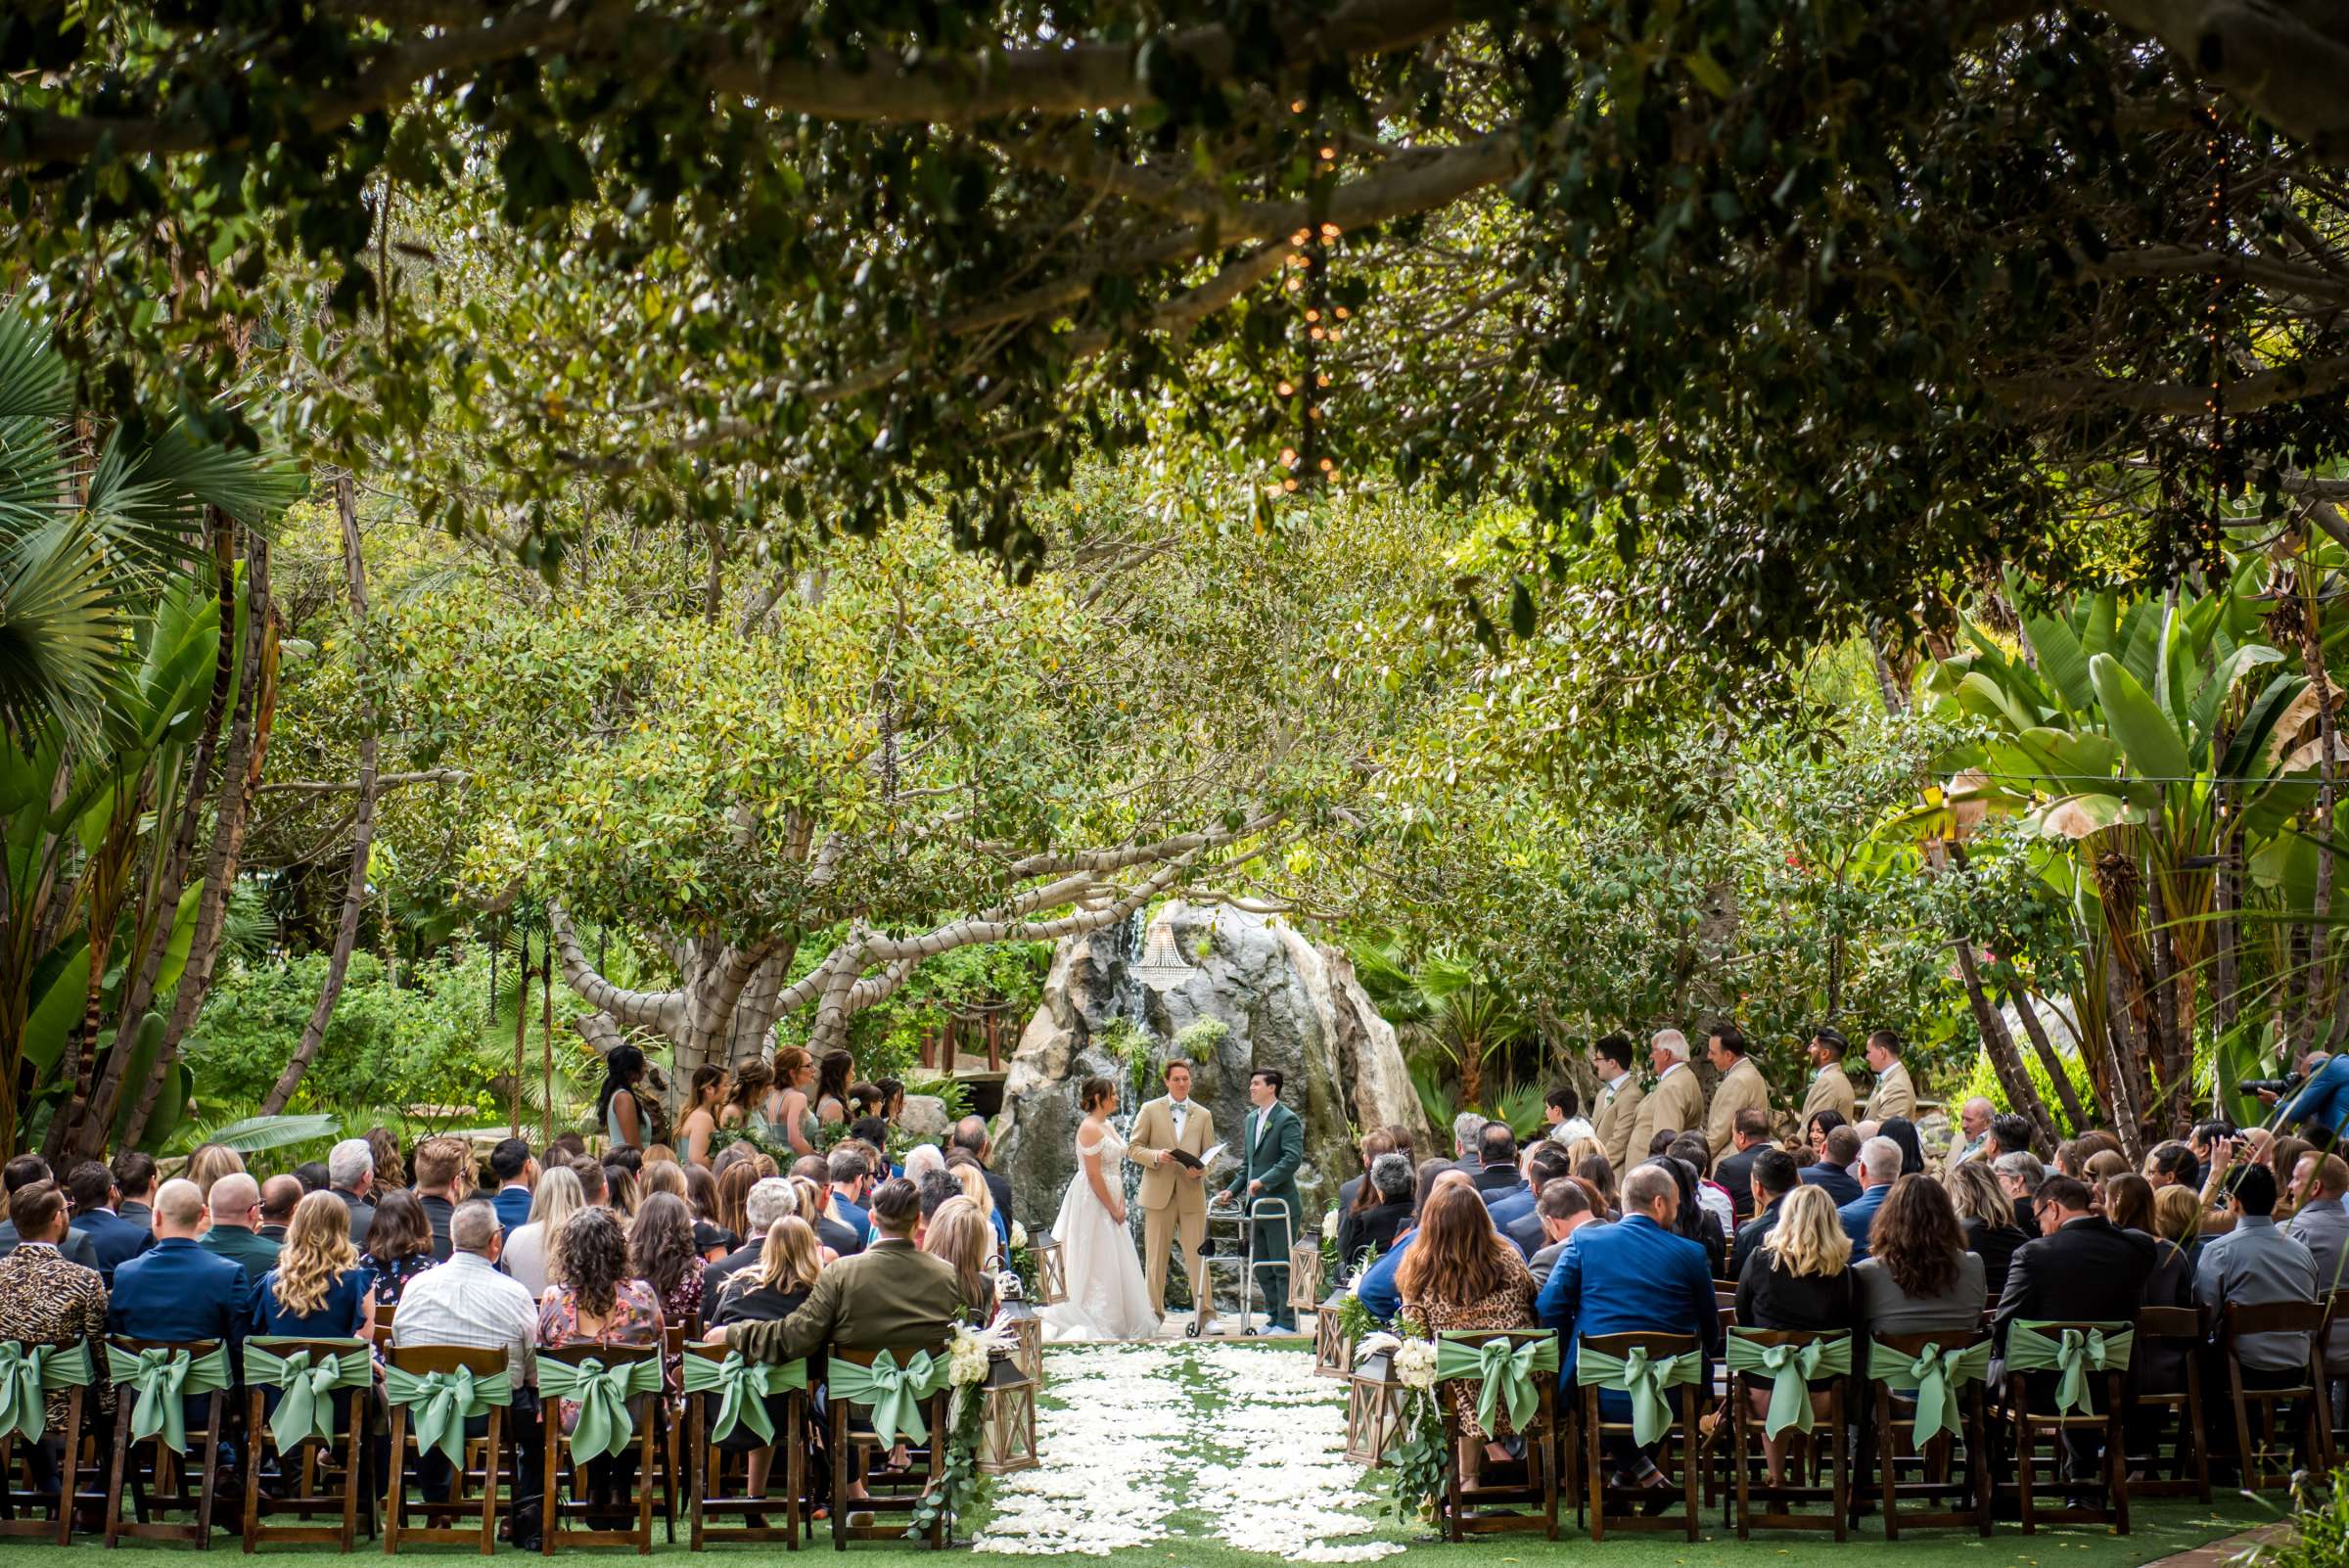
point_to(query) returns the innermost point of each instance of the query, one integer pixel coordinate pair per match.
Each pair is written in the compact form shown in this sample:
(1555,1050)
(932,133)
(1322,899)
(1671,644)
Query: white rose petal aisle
(1145,1443)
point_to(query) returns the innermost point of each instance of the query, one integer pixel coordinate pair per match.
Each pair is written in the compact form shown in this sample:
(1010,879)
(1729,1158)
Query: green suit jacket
(256,1255)
(1271,1148)
(890,1294)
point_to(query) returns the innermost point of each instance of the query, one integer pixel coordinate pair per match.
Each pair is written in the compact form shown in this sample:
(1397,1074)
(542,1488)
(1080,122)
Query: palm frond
(256,1133)
(35,383)
(63,634)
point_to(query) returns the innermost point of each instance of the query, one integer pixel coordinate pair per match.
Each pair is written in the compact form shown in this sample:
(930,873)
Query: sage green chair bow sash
(1791,1368)
(162,1378)
(2076,1354)
(602,1394)
(439,1403)
(1504,1371)
(742,1388)
(893,1393)
(306,1408)
(27,1372)
(1644,1378)
(1936,1374)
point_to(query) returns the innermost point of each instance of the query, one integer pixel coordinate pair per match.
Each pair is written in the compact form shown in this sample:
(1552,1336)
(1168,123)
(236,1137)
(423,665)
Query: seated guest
(279,1195)
(770,1199)
(1972,1137)
(1918,1277)
(2178,1218)
(1598,1172)
(2171,1165)
(1817,1126)
(1462,1275)
(970,1133)
(1880,1167)
(318,1289)
(134,1179)
(768,1292)
(2082,1268)
(1380,1210)
(1692,1218)
(852,1181)
(621,1194)
(1831,1171)
(1376,1288)
(597,1302)
(113,1238)
(1497,1176)
(1636,1274)
(390,1160)
(209,1162)
(399,1245)
(44,1298)
(1772,1175)
(516,1174)
(2256,1264)
(1987,1214)
(527,1251)
(1563,1121)
(1750,1132)
(814,1198)
(595,1190)
(24,1170)
(2019,1175)
(710,1239)
(960,1234)
(177,1291)
(1903,1132)
(1798,1279)
(973,1181)
(438,1163)
(1544,1162)
(236,1214)
(2103,1166)
(467,1302)
(1692,1149)
(311,1175)
(2322,1226)
(1563,1208)
(350,1167)
(2007,1134)
(2204,1140)
(2157,1366)
(661,1254)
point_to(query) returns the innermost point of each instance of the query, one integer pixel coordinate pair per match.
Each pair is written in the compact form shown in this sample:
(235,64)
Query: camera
(2278,1086)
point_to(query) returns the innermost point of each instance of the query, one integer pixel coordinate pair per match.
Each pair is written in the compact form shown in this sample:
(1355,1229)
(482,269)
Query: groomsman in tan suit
(1830,1086)
(1678,1101)
(1617,1107)
(1741,1087)
(1894,1094)
(1173,1194)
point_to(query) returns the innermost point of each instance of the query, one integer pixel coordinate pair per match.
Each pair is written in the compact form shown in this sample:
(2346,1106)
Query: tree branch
(664,1010)
(2285,59)
(383,782)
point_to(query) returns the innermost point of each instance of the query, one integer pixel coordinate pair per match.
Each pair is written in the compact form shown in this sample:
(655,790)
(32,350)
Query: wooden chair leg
(644,1481)
(942,1531)
(2242,1426)
(211,1473)
(796,1417)
(1595,1478)
(396,1489)
(1688,1459)
(2025,1458)
(353,1481)
(1839,1453)
(839,1475)
(1744,1501)
(550,1500)
(253,1475)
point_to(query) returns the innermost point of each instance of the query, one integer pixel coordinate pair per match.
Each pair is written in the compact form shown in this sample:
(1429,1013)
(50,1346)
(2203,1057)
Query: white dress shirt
(466,1301)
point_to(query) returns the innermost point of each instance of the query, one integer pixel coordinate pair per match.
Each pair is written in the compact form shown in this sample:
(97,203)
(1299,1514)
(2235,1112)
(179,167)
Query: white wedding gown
(1108,1297)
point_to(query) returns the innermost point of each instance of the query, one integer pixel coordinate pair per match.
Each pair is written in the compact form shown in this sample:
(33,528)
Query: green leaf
(2147,738)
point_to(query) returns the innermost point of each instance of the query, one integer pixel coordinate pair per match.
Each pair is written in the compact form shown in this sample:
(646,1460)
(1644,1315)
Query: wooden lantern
(1006,1420)
(1305,1270)
(1378,1410)
(1333,1351)
(1052,1280)
(1028,1330)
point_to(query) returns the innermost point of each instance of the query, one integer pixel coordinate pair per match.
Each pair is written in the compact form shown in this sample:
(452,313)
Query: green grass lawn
(1217,1413)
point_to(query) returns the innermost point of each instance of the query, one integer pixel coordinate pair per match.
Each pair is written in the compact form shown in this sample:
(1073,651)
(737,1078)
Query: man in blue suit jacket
(1633,1276)
(113,1238)
(516,1178)
(1544,1163)
(1879,1169)
(175,1290)
(1833,1169)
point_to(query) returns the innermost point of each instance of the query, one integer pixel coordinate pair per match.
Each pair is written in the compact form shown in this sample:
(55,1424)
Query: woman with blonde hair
(209,1162)
(960,1234)
(1986,1217)
(733,1200)
(2178,1219)
(1799,1280)
(767,1292)
(971,1177)
(319,1290)
(809,1201)
(529,1252)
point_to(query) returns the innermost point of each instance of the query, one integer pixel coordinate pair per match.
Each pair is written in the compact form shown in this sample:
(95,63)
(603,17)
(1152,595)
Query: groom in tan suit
(1173,1194)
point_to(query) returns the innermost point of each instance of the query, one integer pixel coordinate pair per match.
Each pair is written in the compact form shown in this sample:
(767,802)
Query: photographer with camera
(2320,1104)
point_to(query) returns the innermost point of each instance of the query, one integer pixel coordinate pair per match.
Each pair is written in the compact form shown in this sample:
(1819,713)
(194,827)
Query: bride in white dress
(1108,1298)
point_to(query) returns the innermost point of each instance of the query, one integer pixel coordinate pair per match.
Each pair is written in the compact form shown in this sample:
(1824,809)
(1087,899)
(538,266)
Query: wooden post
(546,1038)
(522,1031)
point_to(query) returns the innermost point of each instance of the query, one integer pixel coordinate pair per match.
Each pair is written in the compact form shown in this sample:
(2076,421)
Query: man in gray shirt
(1563,1209)
(2323,1227)
(2257,1264)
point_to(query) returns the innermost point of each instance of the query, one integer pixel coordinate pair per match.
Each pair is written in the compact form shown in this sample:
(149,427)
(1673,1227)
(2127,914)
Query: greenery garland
(962,1489)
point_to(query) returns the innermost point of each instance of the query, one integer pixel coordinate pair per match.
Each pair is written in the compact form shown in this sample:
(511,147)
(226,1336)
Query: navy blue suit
(512,1208)
(115,1239)
(1838,1181)
(1510,1206)
(1630,1275)
(176,1290)
(1376,1288)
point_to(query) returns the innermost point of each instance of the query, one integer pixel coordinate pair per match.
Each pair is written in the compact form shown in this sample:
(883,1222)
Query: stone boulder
(924,1116)
(1285,1001)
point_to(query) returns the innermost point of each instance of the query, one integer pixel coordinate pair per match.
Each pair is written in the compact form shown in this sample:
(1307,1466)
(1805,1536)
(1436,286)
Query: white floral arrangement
(1329,1225)
(1019,1234)
(967,1356)
(1415,1363)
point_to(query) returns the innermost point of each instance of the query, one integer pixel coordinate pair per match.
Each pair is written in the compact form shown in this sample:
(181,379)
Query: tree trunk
(2045,1049)
(2320,944)
(355,886)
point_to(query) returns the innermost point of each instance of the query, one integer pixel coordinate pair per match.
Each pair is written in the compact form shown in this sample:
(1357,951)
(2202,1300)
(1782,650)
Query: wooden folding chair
(2336,1367)
(469,1489)
(1934,1458)
(30,1496)
(1742,1456)
(2182,1325)
(2307,1393)
(315,1483)
(707,1465)
(649,1413)
(2029,1424)
(1543,1454)
(1596,1488)
(165,1489)
(850,1449)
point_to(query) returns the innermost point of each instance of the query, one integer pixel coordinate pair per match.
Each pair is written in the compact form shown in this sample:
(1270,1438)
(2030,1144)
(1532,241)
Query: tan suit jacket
(1893,1095)
(1830,1090)
(1676,1102)
(1164,1181)
(1612,1122)
(1742,1088)
(890,1294)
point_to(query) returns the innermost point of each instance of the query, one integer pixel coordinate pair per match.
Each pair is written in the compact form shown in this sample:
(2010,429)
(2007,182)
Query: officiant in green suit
(1271,1148)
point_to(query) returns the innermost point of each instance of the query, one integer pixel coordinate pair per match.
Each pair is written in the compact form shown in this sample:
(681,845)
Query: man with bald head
(235,1233)
(175,1290)
(279,1195)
